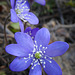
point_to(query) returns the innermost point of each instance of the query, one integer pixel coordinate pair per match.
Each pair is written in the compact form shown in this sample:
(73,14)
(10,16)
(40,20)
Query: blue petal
(52,68)
(24,40)
(42,2)
(33,31)
(21,25)
(22,5)
(27,29)
(30,17)
(20,64)
(14,17)
(12,3)
(17,50)
(57,48)
(37,70)
(42,37)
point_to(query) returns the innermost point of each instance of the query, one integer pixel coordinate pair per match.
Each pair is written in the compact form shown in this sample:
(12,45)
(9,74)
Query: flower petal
(14,17)
(21,25)
(24,40)
(33,31)
(12,3)
(17,50)
(57,48)
(27,29)
(52,68)
(22,5)
(42,37)
(20,64)
(37,70)
(42,2)
(30,17)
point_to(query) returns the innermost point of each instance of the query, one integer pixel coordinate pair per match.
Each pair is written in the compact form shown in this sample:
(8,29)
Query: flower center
(17,10)
(37,55)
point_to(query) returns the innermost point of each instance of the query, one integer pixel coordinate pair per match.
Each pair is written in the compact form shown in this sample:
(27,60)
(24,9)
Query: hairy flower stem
(8,2)
(5,38)
(25,25)
(42,69)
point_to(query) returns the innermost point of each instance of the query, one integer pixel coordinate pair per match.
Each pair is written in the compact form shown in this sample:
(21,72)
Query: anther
(32,37)
(50,61)
(43,47)
(25,61)
(44,62)
(44,66)
(44,51)
(32,67)
(45,57)
(40,45)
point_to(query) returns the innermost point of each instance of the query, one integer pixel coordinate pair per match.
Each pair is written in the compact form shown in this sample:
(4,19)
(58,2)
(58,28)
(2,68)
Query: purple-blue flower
(36,52)
(42,2)
(31,32)
(20,10)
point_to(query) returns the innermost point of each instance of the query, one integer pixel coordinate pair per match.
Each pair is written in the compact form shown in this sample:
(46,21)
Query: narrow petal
(30,17)
(24,40)
(42,37)
(12,3)
(21,26)
(27,29)
(20,64)
(37,70)
(14,17)
(42,2)
(52,68)
(57,48)
(34,31)
(16,50)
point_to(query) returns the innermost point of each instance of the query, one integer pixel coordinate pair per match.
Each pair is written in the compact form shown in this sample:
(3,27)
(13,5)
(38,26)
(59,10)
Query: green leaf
(15,26)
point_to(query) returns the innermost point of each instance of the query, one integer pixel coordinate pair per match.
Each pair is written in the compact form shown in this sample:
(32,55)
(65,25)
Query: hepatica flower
(20,10)
(31,32)
(37,53)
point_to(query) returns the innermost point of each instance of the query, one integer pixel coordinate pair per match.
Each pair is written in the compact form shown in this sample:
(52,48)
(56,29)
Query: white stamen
(44,66)
(44,51)
(40,45)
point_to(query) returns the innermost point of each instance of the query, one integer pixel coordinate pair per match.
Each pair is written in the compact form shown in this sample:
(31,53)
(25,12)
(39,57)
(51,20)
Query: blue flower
(36,53)
(42,2)
(31,32)
(20,10)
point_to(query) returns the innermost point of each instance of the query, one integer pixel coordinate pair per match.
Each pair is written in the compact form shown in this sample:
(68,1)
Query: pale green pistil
(17,11)
(37,55)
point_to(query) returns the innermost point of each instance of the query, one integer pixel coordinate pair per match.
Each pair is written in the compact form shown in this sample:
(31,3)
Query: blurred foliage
(3,2)
(49,5)
(42,10)
(70,3)
(2,73)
